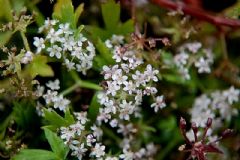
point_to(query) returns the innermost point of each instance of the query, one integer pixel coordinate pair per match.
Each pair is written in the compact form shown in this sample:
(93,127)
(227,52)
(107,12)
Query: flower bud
(194,127)
(183,123)
(209,122)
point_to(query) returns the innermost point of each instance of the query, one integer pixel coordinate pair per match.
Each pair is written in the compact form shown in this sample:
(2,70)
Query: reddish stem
(198,13)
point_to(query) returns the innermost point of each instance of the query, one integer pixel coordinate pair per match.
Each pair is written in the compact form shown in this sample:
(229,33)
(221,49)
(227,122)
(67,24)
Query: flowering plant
(111,80)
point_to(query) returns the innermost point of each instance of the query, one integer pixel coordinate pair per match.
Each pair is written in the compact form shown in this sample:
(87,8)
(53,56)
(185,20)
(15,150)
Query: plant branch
(198,13)
(25,41)
(82,83)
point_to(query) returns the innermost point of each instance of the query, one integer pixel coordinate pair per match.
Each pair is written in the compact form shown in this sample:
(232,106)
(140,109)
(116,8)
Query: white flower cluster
(27,58)
(62,42)
(126,84)
(52,97)
(73,138)
(143,153)
(128,131)
(188,55)
(217,103)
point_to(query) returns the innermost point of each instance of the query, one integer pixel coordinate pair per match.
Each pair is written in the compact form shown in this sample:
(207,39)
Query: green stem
(70,89)
(25,41)
(111,134)
(84,84)
(224,46)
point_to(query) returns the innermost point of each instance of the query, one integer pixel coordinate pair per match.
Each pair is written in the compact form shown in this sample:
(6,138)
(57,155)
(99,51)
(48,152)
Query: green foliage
(36,154)
(24,114)
(104,58)
(39,67)
(94,108)
(64,12)
(56,121)
(56,143)
(111,17)
(59,149)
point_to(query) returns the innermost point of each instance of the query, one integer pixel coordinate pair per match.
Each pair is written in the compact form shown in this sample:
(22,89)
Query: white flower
(69,44)
(28,57)
(69,64)
(202,102)
(232,95)
(53,85)
(184,72)
(39,43)
(55,51)
(203,66)
(64,29)
(108,72)
(50,96)
(129,86)
(193,47)
(141,153)
(111,158)
(127,155)
(78,151)
(53,36)
(138,97)
(117,54)
(66,134)
(118,77)
(139,78)
(117,39)
(108,44)
(47,23)
(126,109)
(126,129)
(39,91)
(103,116)
(181,59)
(159,104)
(113,87)
(90,140)
(81,116)
(98,151)
(60,103)
(151,74)
(150,91)
(97,132)
(114,123)
(151,149)
(103,98)
(77,128)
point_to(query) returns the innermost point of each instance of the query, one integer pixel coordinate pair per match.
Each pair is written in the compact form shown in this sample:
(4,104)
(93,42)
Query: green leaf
(54,119)
(56,143)
(98,63)
(24,114)
(69,117)
(78,12)
(126,28)
(78,31)
(94,108)
(40,67)
(35,154)
(5,10)
(111,14)
(174,78)
(4,38)
(111,17)
(64,12)
(104,52)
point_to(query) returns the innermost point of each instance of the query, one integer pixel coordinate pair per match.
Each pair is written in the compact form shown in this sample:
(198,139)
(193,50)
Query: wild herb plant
(112,80)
